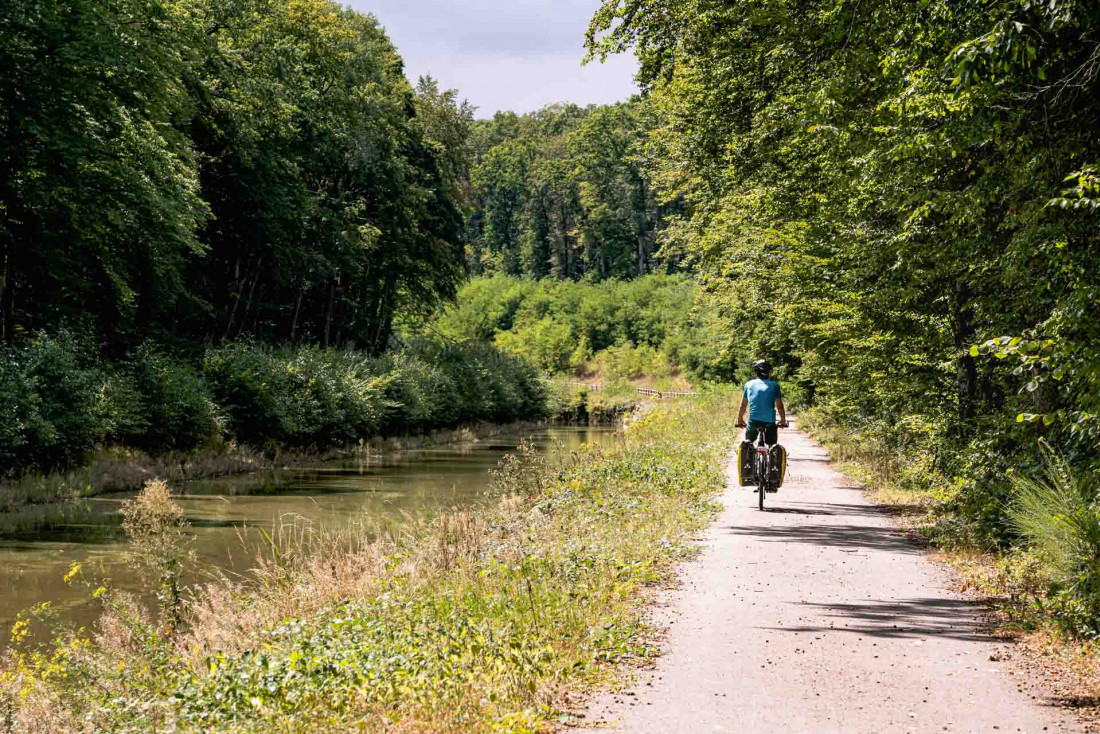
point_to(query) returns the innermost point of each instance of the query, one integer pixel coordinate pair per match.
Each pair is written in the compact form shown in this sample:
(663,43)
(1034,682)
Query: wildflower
(73,571)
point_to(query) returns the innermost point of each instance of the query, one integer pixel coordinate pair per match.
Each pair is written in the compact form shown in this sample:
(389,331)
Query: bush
(562,326)
(312,397)
(59,405)
(166,405)
(482,383)
(1060,517)
(305,398)
(52,403)
(624,361)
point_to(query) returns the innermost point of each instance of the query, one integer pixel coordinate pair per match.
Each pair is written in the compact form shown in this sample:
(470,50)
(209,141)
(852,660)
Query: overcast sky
(503,54)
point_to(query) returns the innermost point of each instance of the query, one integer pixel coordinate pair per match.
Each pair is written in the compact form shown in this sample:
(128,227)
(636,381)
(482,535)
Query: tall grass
(470,621)
(1058,516)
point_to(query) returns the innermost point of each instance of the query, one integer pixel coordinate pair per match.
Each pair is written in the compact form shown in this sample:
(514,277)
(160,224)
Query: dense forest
(898,202)
(567,193)
(185,182)
(209,170)
(201,200)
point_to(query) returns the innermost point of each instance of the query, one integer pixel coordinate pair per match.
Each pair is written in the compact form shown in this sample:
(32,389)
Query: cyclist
(762,397)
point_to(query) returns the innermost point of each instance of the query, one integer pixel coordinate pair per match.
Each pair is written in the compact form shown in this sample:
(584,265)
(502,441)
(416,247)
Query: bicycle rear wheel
(762,481)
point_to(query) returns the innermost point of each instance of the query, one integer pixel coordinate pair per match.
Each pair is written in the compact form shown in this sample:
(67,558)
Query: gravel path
(818,616)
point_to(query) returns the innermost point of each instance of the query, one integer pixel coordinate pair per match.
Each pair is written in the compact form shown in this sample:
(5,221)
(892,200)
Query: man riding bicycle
(762,397)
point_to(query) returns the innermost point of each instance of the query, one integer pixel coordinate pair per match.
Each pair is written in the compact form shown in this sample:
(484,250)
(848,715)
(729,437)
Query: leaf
(974,351)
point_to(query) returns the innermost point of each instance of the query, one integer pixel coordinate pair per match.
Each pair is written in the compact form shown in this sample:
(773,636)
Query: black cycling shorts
(771,432)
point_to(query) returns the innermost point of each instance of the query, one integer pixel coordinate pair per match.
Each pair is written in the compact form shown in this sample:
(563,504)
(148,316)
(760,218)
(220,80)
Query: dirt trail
(818,616)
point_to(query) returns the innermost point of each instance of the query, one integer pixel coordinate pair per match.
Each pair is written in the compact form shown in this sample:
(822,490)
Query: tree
(99,196)
(870,189)
(566,192)
(333,210)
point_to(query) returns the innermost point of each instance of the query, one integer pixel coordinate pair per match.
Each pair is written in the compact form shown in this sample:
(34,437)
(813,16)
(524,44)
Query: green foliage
(310,397)
(894,203)
(647,326)
(627,361)
(1060,518)
(98,182)
(51,394)
(207,170)
(64,401)
(563,193)
(333,201)
(169,407)
(305,398)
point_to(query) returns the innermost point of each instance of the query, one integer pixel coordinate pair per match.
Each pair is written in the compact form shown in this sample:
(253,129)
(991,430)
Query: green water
(39,544)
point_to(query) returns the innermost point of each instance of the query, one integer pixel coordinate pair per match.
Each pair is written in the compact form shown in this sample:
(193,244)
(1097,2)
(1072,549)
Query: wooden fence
(647,391)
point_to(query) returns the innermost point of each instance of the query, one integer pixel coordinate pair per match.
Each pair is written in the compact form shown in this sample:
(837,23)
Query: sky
(503,54)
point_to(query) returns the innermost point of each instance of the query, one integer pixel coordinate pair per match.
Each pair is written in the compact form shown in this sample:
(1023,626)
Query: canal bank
(229,516)
(482,619)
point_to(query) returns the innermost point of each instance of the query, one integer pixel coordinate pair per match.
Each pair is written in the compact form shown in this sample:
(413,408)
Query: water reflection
(39,544)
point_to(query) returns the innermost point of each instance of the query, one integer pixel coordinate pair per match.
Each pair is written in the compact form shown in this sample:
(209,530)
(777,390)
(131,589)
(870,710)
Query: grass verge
(476,620)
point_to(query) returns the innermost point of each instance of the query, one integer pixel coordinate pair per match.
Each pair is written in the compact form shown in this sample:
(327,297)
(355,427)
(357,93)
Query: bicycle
(762,465)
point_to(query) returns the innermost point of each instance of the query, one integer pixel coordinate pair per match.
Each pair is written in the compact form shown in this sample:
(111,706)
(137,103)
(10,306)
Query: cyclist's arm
(742,409)
(782,411)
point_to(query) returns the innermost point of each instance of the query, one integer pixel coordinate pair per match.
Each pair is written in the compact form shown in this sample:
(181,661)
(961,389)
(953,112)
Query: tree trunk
(966,372)
(643,227)
(251,293)
(297,309)
(567,250)
(384,316)
(237,301)
(328,312)
(7,300)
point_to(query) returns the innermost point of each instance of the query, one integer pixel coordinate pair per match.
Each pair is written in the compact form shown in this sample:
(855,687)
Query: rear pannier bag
(746,473)
(778,465)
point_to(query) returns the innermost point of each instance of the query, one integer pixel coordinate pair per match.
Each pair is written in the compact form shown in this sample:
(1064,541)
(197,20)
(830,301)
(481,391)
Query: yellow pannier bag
(778,466)
(746,453)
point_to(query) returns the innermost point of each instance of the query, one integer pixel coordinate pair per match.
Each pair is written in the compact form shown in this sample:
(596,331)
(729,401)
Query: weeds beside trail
(476,620)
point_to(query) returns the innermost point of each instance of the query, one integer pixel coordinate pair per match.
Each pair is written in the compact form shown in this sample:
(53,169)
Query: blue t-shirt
(762,395)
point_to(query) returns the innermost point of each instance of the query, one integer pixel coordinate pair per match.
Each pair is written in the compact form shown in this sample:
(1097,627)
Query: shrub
(52,399)
(1060,517)
(628,362)
(306,398)
(482,382)
(174,408)
(59,405)
(560,326)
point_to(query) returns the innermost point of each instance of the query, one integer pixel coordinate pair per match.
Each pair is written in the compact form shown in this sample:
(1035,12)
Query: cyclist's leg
(771,434)
(751,431)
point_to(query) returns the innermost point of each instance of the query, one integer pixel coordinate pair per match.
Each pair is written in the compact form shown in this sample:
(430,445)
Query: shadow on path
(832,508)
(959,619)
(868,537)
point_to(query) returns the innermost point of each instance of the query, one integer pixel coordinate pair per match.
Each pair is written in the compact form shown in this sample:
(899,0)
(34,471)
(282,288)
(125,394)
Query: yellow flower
(73,571)
(19,630)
